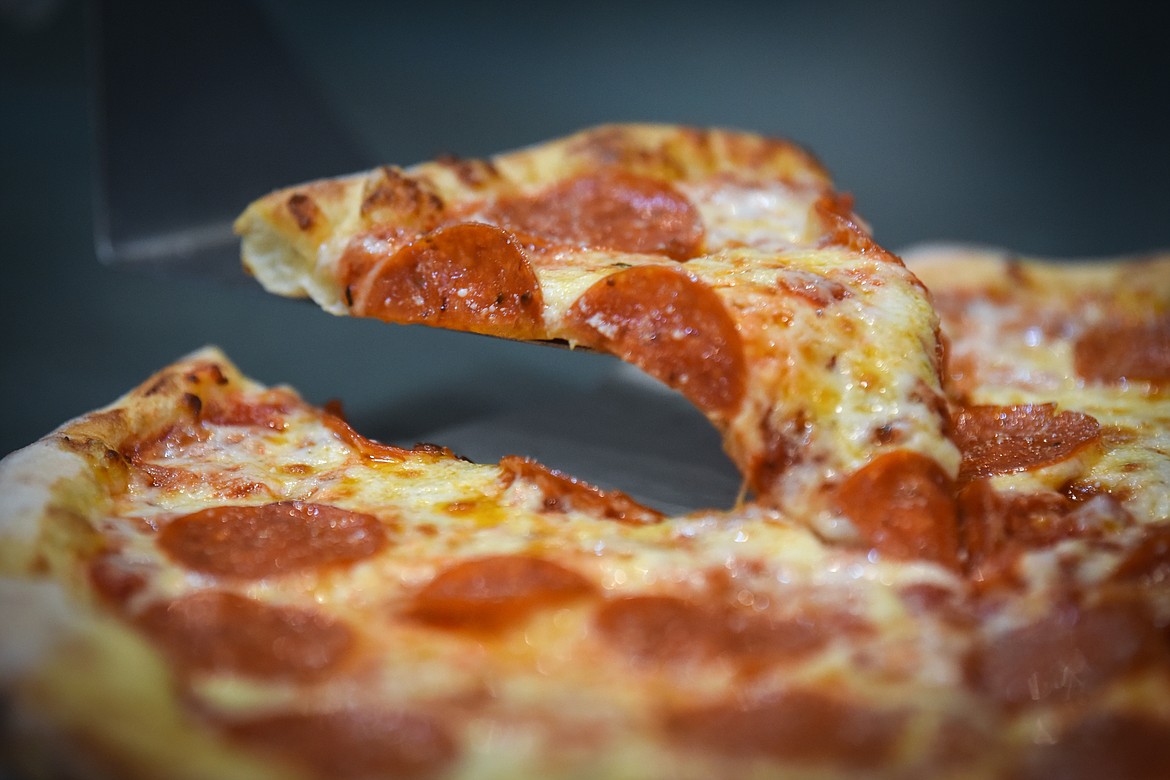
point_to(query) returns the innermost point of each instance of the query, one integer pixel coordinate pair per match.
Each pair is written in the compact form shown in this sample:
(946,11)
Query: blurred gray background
(1036,126)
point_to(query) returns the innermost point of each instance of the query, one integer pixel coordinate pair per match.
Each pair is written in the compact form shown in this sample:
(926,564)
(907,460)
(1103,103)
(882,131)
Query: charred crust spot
(473,172)
(193,402)
(392,196)
(304,210)
(159,385)
(205,372)
(349,295)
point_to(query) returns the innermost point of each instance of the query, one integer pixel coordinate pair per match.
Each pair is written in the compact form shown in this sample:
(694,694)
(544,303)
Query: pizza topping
(611,209)
(1117,352)
(496,592)
(1005,439)
(253,542)
(468,276)
(670,325)
(993,521)
(1120,746)
(798,725)
(113,580)
(354,744)
(367,448)
(215,631)
(1066,654)
(842,227)
(903,506)
(271,411)
(563,493)
(1149,562)
(667,628)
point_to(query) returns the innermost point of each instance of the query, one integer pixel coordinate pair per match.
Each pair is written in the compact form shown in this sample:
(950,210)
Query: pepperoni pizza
(952,560)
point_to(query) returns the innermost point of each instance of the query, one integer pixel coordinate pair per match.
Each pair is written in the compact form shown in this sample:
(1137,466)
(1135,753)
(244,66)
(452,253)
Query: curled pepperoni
(496,592)
(1067,654)
(1005,439)
(842,227)
(468,276)
(902,504)
(798,725)
(215,631)
(353,743)
(670,325)
(253,542)
(365,447)
(563,493)
(613,210)
(1114,352)
(666,628)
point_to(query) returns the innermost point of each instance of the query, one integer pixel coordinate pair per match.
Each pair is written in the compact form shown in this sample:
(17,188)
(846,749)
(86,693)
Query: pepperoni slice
(468,276)
(253,542)
(1067,654)
(214,631)
(1114,352)
(1119,746)
(563,493)
(1006,439)
(114,580)
(799,726)
(353,743)
(610,209)
(496,592)
(670,325)
(902,503)
(1149,562)
(666,628)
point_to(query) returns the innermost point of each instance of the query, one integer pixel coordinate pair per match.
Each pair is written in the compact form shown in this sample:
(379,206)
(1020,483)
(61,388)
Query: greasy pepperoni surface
(496,591)
(563,493)
(215,631)
(468,276)
(609,210)
(799,725)
(902,504)
(1067,654)
(670,325)
(1110,353)
(253,542)
(353,743)
(1005,439)
(654,629)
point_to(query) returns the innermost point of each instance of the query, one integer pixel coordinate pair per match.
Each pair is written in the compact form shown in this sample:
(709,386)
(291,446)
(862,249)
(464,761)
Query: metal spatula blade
(199,109)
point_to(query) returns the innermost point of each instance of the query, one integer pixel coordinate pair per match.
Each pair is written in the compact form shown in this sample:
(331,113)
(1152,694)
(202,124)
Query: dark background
(1035,126)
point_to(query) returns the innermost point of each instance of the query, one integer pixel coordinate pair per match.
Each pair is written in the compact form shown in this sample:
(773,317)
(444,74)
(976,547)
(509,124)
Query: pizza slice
(722,263)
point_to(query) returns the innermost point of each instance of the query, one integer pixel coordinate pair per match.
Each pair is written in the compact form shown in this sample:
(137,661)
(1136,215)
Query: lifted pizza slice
(722,263)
